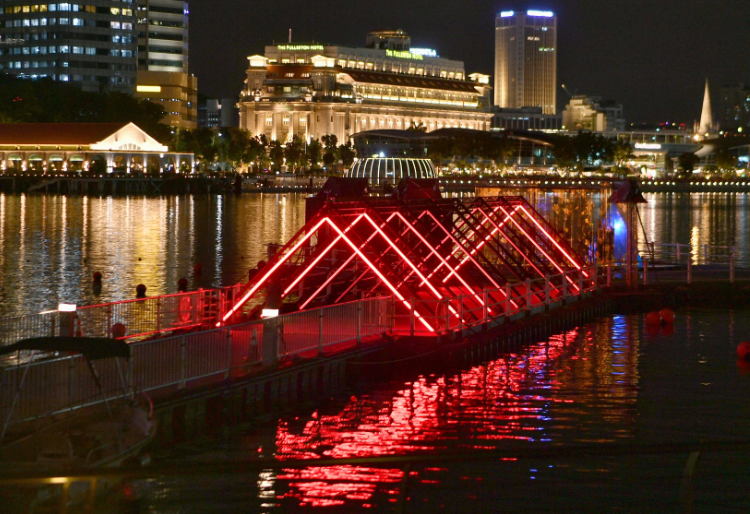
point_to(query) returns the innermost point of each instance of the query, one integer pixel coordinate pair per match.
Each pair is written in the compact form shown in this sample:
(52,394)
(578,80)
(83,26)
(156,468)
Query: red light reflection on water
(502,402)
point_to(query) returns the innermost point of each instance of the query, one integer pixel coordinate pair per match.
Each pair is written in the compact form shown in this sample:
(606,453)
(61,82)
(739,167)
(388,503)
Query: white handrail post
(689,267)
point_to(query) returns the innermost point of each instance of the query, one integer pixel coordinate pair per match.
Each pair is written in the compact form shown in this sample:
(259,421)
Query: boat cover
(91,347)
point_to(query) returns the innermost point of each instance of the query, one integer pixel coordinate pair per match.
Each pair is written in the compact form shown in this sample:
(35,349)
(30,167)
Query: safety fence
(51,386)
(492,306)
(702,254)
(125,319)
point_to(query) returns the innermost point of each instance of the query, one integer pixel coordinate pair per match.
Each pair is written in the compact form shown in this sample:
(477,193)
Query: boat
(113,430)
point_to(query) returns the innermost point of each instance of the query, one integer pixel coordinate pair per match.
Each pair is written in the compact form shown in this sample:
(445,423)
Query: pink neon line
(481,244)
(511,242)
(318,259)
(380,275)
(270,272)
(432,249)
(340,268)
(497,286)
(555,242)
(542,250)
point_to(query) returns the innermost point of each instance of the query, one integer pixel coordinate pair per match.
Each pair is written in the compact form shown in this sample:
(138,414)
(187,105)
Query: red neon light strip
(543,252)
(481,244)
(432,249)
(339,270)
(381,276)
(554,242)
(511,242)
(318,258)
(492,281)
(270,272)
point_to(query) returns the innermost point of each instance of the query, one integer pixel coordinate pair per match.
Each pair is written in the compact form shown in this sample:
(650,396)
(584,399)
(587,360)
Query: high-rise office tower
(89,44)
(163,75)
(526,60)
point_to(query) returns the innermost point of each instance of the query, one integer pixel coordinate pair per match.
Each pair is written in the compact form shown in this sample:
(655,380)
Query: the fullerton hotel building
(312,90)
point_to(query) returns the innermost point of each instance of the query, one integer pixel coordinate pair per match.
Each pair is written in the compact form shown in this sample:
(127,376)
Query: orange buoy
(667,315)
(743,351)
(118,330)
(653,318)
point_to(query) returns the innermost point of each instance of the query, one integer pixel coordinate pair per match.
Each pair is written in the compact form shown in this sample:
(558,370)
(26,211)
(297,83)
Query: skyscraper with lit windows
(163,75)
(526,60)
(91,44)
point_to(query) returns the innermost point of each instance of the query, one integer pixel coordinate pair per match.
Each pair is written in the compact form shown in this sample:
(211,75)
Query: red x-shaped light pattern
(364,232)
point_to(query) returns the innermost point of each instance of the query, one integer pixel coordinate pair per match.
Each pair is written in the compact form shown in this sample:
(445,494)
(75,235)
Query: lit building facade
(593,114)
(163,75)
(92,45)
(526,60)
(311,90)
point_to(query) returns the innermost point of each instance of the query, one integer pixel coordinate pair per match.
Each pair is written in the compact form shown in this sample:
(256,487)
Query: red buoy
(97,276)
(653,319)
(140,291)
(743,351)
(182,284)
(667,315)
(118,330)
(198,269)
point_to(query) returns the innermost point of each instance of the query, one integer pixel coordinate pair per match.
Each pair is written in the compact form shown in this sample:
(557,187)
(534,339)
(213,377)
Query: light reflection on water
(611,382)
(52,245)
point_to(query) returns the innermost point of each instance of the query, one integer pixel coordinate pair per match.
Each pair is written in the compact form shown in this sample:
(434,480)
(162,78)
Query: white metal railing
(57,385)
(679,253)
(127,318)
(492,306)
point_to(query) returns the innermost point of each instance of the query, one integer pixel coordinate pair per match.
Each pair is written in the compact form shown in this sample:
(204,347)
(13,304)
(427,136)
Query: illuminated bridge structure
(445,262)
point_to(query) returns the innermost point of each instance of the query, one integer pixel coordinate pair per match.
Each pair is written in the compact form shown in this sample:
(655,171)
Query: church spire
(707,120)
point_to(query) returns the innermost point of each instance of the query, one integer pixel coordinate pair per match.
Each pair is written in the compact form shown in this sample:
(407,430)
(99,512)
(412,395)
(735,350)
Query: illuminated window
(269,121)
(285,121)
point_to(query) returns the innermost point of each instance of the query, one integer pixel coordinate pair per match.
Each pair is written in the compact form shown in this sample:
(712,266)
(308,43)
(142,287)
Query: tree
(347,154)
(295,152)
(686,163)
(565,152)
(725,161)
(329,142)
(276,154)
(314,152)
(622,152)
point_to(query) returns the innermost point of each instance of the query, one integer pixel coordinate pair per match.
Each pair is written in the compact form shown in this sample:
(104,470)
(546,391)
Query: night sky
(651,55)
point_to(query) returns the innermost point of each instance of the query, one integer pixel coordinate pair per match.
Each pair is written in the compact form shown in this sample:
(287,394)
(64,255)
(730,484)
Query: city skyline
(665,50)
